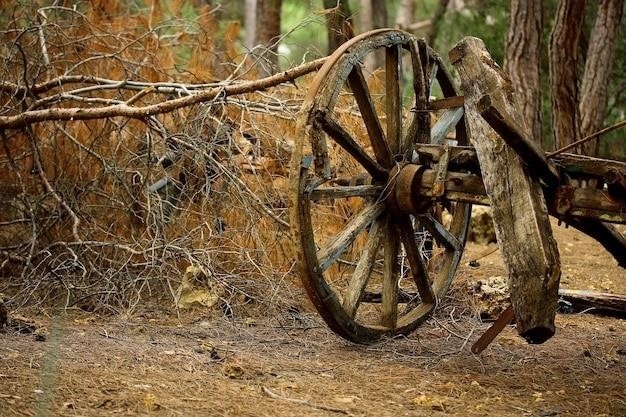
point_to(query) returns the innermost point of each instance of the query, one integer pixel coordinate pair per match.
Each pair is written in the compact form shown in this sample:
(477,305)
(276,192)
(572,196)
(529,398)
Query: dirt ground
(289,363)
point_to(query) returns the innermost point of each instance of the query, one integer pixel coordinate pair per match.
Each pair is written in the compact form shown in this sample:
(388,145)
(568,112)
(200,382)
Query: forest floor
(289,363)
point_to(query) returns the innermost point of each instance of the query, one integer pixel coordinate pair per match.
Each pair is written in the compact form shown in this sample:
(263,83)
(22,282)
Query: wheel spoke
(392,98)
(446,103)
(391,274)
(320,149)
(414,133)
(445,124)
(359,88)
(416,262)
(343,138)
(419,84)
(439,232)
(329,193)
(331,252)
(432,72)
(363,270)
(441,75)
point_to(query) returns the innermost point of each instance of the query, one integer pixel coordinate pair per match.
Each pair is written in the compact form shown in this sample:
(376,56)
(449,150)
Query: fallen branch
(80,113)
(271,394)
(595,302)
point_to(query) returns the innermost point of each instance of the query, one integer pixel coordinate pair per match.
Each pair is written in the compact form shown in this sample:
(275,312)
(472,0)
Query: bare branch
(124,110)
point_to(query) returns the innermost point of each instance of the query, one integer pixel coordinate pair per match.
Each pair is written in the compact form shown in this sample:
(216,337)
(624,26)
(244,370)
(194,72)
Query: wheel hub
(406,195)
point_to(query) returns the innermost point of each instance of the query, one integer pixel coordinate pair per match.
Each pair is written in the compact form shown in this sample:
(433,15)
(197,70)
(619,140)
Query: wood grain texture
(519,209)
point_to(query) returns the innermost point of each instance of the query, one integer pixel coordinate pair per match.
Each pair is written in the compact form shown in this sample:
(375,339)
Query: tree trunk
(598,67)
(268,33)
(379,14)
(379,19)
(405,14)
(365,16)
(250,24)
(523,60)
(367,23)
(338,18)
(563,71)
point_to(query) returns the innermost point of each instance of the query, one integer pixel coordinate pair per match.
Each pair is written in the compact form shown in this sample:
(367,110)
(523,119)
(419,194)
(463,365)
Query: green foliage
(304,29)
(487,19)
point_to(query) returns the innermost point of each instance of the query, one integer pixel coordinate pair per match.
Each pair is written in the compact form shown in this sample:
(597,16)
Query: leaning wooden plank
(519,209)
(515,138)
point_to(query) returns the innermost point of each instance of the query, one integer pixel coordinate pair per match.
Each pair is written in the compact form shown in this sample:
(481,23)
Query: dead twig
(587,138)
(272,394)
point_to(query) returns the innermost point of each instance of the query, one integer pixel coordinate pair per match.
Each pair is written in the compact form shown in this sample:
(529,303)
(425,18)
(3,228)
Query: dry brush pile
(135,145)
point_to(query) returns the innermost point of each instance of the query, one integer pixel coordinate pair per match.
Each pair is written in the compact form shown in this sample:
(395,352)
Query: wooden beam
(463,157)
(516,139)
(587,165)
(517,202)
(446,103)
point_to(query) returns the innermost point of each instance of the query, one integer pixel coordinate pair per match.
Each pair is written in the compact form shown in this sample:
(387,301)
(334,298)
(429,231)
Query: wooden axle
(413,191)
(414,187)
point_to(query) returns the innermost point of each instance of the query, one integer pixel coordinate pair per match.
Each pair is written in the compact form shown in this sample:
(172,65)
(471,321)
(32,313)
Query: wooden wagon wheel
(374,257)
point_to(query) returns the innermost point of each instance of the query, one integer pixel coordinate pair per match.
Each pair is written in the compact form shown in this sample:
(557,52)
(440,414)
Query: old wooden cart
(388,156)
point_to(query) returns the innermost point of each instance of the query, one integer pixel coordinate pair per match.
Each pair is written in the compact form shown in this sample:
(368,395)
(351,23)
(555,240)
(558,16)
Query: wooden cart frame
(388,157)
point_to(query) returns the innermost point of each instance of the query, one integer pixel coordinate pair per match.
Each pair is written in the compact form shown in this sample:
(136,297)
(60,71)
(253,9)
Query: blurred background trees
(546,46)
(563,56)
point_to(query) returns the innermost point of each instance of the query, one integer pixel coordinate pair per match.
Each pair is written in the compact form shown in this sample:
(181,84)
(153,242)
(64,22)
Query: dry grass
(105,214)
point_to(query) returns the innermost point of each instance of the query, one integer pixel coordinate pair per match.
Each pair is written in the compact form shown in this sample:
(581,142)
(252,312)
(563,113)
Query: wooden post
(519,210)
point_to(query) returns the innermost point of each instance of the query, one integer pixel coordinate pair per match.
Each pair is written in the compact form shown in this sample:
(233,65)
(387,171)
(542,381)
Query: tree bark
(379,14)
(268,33)
(598,67)
(366,20)
(338,17)
(523,60)
(365,15)
(563,58)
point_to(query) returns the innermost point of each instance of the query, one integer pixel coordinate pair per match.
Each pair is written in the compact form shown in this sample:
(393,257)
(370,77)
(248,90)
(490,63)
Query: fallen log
(595,302)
